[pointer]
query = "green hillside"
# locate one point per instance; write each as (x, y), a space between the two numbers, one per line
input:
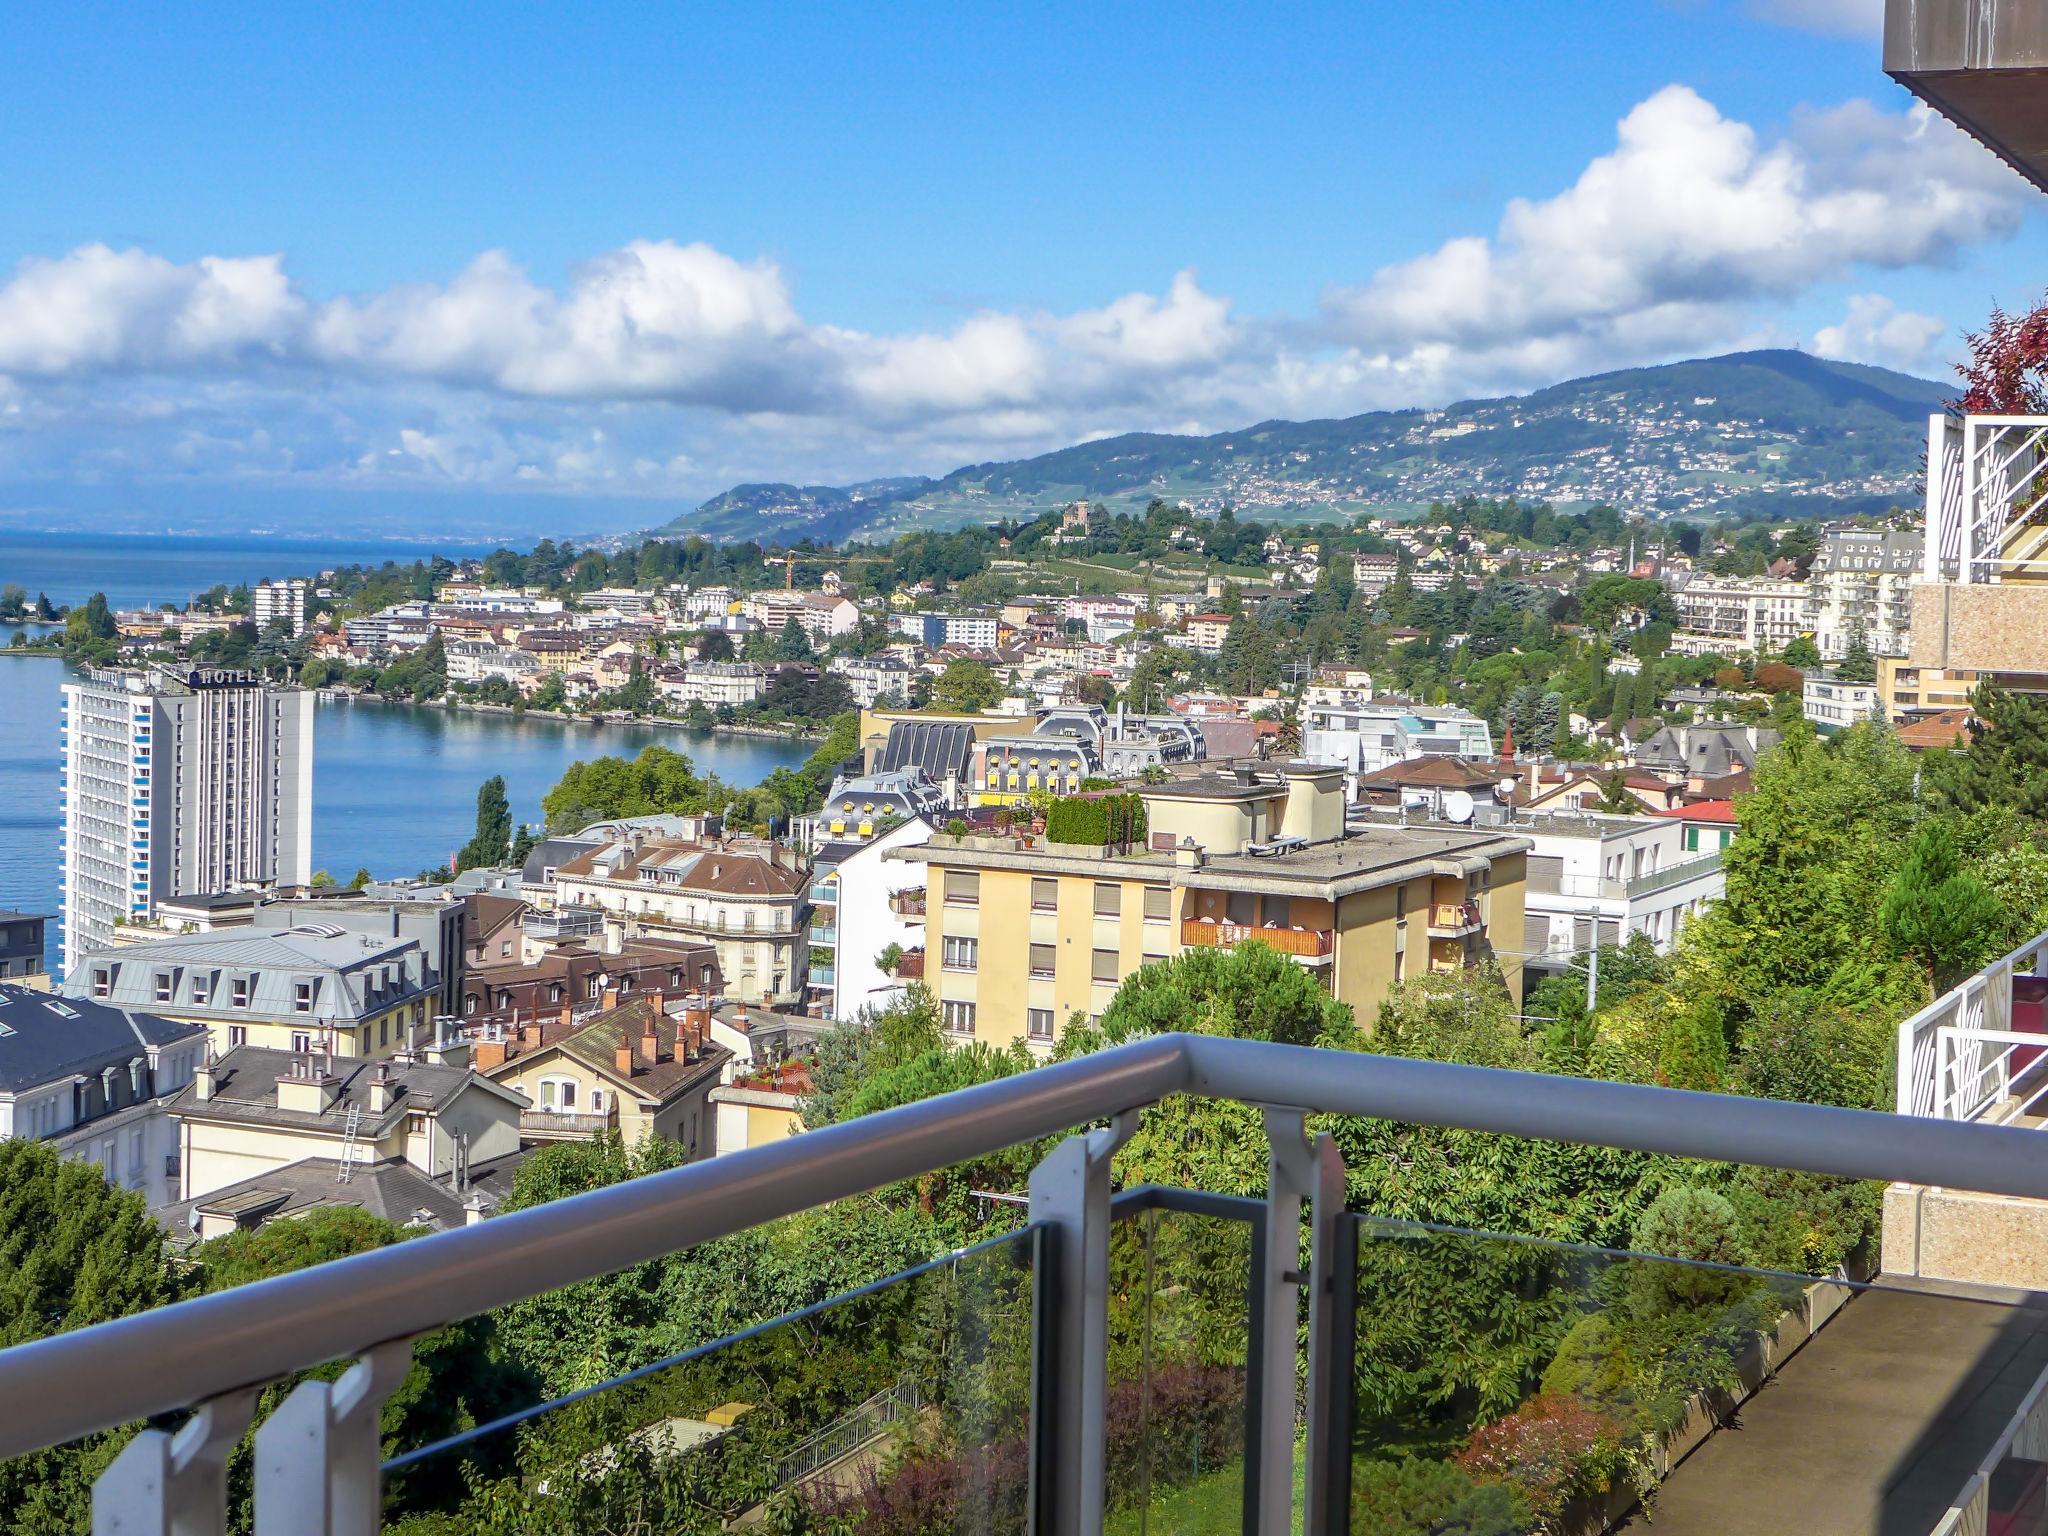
(1775, 432)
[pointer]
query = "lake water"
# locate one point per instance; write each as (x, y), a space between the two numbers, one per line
(394, 787)
(141, 571)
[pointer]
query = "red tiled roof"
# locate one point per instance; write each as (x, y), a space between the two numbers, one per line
(1719, 812)
(1937, 732)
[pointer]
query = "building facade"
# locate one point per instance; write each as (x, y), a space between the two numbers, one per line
(283, 599)
(177, 782)
(1744, 614)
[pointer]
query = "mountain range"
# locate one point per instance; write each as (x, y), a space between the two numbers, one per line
(1769, 433)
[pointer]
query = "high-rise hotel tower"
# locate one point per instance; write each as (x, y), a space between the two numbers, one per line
(177, 783)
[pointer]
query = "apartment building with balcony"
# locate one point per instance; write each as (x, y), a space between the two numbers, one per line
(1861, 584)
(314, 987)
(1020, 934)
(1350, 729)
(577, 974)
(748, 899)
(1743, 613)
(1602, 879)
(199, 780)
(870, 901)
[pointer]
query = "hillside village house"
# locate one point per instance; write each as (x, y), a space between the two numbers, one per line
(262, 1131)
(633, 1067)
(309, 988)
(744, 898)
(95, 1082)
(1255, 853)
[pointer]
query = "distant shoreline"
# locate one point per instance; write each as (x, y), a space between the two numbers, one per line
(469, 706)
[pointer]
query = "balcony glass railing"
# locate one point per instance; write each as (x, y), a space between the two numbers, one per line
(1127, 1362)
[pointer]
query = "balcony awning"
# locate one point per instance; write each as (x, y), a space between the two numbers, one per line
(1982, 64)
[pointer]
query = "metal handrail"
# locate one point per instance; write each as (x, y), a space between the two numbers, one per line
(57, 1389)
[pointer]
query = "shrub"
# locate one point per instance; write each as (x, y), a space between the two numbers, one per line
(1550, 1450)
(956, 828)
(1097, 822)
(1423, 1498)
(1686, 1222)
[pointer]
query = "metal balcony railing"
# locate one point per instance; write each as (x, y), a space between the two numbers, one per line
(1673, 874)
(1043, 1329)
(1980, 1050)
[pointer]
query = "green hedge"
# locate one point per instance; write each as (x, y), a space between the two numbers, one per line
(1097, 822)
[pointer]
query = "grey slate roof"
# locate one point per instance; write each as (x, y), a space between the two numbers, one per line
(245, 1089)
(44, 1037)
(392, 1189)
(347, 970)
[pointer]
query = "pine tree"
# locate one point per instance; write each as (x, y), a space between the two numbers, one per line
(1858, 665)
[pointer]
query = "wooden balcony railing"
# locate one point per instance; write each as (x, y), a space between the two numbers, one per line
(1309, 943)
(1454, 917)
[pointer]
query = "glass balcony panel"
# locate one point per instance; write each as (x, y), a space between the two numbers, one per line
(905, 1396)
(1518, 1387)
(1180, 1328)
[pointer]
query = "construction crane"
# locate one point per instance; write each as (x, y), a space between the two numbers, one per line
(789, 560)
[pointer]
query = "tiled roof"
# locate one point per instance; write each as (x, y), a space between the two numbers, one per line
(1720, 812)
(1937, 732)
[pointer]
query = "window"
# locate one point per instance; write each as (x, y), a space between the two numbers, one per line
(302, 1041)
(1043, 959)
(959, 1017)
(1400, 902)
(1158, 903)
(597, 1101)
(200, 990)
(238, 991)
(238, 1034)
(302, 997)
(102, 981)
(595, 988)
(1038, 1023)
(1104, 967)
(1109, 900)
(963, 888)
(960, 954)
(163, 986)
(383, 1030)
(1045, 895)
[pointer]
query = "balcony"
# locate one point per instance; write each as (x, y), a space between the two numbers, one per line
(908, 903)
(554, 1125)
(1137, 1353)
(1674, 874)
(1307, 944)
(1454, 919)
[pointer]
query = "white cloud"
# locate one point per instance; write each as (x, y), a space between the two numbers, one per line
(1831, 18)
(1875, 330)
(672, 367)
(1667, 241)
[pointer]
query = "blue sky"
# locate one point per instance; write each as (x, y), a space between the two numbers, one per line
(611, 254)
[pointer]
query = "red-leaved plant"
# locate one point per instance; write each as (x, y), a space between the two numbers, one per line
(1553, 1448)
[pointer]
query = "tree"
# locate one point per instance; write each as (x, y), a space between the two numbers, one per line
(2007, 374)
(1938, 913)
(656, 782)
(793, 644)
(1857, 664)
(966, 687)
(493, 835)
(73, 1251)
(322, 880)
(13, 601)
(1802, 652)
(2005, 761)
(714, 645)
(359, 879)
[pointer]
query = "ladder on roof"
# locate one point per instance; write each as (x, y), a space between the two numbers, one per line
(349, 1128)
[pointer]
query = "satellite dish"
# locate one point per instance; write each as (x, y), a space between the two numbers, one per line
(1457, 806)
(1508, 788)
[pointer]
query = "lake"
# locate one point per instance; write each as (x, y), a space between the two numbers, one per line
(143, 571)
(394, 786)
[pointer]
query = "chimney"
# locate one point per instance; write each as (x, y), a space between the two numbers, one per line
(473, 1210)
(623, 1060)
(656, 1000)
(568, 1018)
(492, 1053)
(203, 1080)
(382, 1089)
(650, 1043)
(611, 998)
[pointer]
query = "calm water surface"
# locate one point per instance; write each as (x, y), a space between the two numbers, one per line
(394, 787)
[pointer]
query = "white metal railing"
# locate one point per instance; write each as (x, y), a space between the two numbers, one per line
(1987, 478)
(2025, 1439)
(1957, 1055)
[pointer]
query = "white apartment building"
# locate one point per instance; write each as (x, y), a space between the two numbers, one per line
(703, 603)
(503, 600)
(1862, 580)
(774, 608)
(1833, 705)
(179, 782)
(715, 683)
(477, 661)
(1373, 574)
(1347, 728)
(284, 599)
(1610, 876)
(1744, 614)
(880, 902)
(826, 615)
(873, 678)
(626, 602)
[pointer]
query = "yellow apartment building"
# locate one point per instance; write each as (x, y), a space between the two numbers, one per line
(1019, 936)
